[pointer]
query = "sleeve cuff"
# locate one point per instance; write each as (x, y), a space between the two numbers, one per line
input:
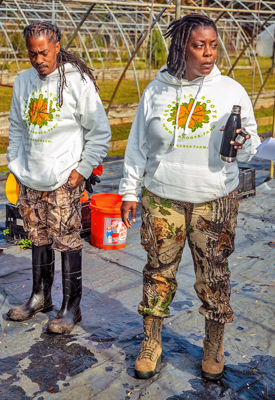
(84, 170)
(130, 197)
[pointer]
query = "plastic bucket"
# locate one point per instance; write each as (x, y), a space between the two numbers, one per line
(12, 189)
(107, 229)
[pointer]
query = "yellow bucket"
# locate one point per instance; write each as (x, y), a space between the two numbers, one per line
(12, 189)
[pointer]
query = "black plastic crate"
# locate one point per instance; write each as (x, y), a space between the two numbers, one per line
(247, 184)
(14, 222)
(85, 218)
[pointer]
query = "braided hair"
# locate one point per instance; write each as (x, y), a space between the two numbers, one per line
(53, 33)
(180, 31)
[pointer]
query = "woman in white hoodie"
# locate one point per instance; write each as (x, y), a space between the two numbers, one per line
(173, 152)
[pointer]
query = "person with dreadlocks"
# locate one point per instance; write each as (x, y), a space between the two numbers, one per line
(173, 152)
(59, 133)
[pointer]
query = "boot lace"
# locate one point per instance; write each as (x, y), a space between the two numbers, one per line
(152, 337)
(148, 350)
(213, 340)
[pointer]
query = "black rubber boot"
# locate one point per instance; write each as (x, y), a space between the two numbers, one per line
(70, 312)
(43, 274)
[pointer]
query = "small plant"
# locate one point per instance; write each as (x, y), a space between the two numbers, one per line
(6, 231)
(6, 66)
(25, 243)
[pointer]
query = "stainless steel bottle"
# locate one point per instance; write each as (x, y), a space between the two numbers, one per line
(227, 151)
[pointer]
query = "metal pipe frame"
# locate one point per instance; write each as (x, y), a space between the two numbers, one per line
(123, 22)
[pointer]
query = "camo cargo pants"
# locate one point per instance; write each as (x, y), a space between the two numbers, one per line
(210, 231)
(52, 217)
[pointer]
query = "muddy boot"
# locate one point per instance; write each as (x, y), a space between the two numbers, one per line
(150, 354)
(213, 355)
(70, 312)
(43, 273)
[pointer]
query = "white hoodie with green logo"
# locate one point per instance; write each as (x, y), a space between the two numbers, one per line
(179, 162)
(47, 142)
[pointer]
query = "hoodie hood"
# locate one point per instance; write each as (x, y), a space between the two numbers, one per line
(68, 68)
(169, 79)
(53, 76)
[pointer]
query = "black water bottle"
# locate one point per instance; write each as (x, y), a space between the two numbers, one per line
(227, 152)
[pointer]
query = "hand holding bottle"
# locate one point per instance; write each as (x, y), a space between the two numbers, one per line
(234, 136)
(235, 143)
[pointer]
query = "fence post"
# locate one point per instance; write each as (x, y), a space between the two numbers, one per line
(271, 173)
(178, 5)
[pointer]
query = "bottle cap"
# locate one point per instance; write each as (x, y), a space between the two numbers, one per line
(236, 109)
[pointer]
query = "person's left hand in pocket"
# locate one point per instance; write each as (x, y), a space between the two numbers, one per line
(75, 179)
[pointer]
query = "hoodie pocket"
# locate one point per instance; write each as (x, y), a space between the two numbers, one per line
(35, 171)
(187, 182)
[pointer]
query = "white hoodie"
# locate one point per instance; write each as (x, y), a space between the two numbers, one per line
(47, 142)
(181, 163)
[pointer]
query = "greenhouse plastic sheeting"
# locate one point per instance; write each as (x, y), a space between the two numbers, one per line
(265, 42)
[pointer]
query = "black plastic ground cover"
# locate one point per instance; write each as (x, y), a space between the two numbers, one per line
(96, 361)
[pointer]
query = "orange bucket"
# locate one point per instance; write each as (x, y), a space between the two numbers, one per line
(107, 229)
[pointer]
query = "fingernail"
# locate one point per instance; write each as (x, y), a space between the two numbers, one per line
(133, 219)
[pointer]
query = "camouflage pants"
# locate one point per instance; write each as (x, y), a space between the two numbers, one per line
(210, 231)
(52, 217)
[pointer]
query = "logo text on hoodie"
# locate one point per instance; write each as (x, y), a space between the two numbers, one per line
(201, 116)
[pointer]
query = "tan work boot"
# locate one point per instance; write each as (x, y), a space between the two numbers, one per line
(150, 354)
(213, 355)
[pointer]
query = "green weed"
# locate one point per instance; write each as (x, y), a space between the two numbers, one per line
(25, 244)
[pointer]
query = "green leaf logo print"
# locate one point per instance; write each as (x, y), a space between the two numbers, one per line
(37, 112)
(199, 115)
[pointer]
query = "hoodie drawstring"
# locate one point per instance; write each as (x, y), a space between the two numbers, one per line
(29, 98)
(48, 93)
(193, 106)
(190, 114)
(177, 119)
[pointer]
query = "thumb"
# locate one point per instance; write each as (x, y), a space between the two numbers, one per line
(133, 214)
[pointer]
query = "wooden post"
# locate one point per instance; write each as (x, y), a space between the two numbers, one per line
(271, 173)
(53, 12)
(178, 5)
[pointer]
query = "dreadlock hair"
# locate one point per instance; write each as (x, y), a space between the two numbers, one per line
(179, 31)
(53, 33)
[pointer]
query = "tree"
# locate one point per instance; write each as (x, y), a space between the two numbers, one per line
(158, 50)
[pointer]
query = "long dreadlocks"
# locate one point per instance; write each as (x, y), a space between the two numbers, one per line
(179, 31)
(52, 32)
